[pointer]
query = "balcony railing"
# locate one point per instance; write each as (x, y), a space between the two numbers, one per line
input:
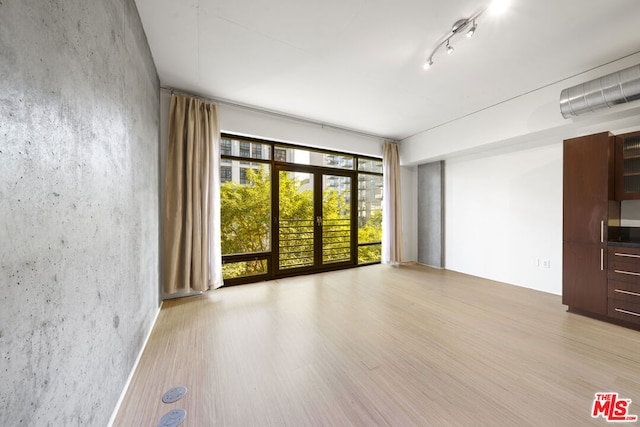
(297, 242)
(336, 240)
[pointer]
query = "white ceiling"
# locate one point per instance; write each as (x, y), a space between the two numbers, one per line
(359, 63)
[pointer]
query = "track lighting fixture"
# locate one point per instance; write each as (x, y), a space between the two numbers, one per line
(465, 25)
(472, 30)
(428, 64)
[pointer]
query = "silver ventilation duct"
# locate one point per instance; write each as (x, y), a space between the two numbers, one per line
(605, 92)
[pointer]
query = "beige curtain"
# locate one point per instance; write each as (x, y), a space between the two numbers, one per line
(192, 255)
(391, 206)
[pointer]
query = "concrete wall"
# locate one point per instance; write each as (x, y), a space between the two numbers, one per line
(431, 214)
(79, 112)
(409, 200)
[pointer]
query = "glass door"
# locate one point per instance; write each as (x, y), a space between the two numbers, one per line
(295, 221)
(336, 219)
(313, 220)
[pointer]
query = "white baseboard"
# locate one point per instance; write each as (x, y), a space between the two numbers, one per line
(432, 266)
(181, 294)
(133, 369)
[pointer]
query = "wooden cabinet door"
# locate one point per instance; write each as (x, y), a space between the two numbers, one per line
(584, 277)
(588, 185)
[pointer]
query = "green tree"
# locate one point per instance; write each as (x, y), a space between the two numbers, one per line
(246, 213)
(246, 223)
(370, 232)
(296, 222)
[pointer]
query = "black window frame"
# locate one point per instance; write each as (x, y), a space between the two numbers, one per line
(274, 146)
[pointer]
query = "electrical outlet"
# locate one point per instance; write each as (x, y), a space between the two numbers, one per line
(546, 263)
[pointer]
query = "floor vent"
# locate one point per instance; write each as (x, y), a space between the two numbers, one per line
(173, 418)
(174, 394)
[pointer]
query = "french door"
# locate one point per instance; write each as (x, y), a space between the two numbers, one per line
(315, 227)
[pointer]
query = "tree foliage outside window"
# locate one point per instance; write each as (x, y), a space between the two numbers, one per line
(246, 221)
(371, 231)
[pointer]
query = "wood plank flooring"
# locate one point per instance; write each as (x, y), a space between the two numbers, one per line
(381, 346)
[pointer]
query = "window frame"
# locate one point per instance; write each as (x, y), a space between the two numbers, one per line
(273, 163)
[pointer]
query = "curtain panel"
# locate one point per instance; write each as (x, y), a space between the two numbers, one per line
(391, 206)
(192, 253)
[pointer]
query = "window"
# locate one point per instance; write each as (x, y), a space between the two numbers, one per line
(225, 174)
(248, 179)
(245, 210)
(303, 156)
(234, 270)
(245, 149)
(370, 165)
(256, 151)
(369, 218)
(225, 147)
(280, 155)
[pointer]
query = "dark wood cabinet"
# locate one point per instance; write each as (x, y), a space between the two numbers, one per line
(588, 196)
(624, 284)
(584, 279)
(627, 178)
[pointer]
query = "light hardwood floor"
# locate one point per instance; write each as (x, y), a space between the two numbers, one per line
(378, 345)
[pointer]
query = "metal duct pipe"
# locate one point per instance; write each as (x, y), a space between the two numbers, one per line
(617, 88)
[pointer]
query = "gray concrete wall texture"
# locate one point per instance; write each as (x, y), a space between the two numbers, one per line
(431, 214)
(79, 214)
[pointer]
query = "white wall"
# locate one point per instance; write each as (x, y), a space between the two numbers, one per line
(249, 122)
(503, 181)
(269, 126)
(503, 213)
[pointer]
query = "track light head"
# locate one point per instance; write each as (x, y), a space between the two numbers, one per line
(472, 30)
(449, 48)
(428, 64)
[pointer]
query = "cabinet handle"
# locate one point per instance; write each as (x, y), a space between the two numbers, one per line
(620, 291)
(630, 273)
(627, 255)
(601, 259)
(601, 231)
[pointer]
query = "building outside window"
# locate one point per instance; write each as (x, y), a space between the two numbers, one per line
(225, 147)
(245, 149)
(225, 174)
